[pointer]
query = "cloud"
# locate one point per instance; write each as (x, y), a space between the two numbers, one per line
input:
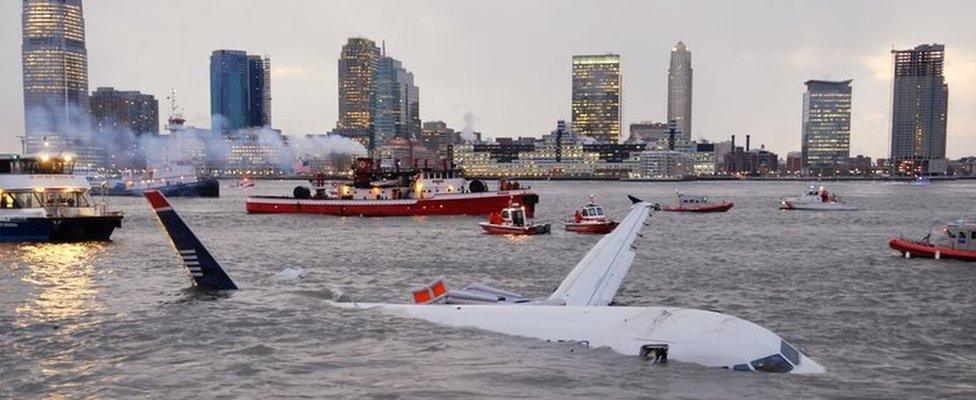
(279, 72)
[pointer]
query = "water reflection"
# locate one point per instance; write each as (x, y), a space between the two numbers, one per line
(61, 276)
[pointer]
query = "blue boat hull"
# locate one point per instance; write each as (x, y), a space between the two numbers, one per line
(59, 230)
(205, 187)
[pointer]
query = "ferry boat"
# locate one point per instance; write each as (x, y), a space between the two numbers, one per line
(513, 220)
(815, 199)
(956, 241)
(590, 219)
(171, 179)
(698, 204)
(375, 192)
(42, 200)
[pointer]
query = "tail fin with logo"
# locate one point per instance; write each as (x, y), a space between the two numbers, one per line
(203, 268)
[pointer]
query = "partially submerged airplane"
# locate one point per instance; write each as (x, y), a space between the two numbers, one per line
(579, 310)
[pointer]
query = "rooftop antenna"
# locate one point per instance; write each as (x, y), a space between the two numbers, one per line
(384, 47)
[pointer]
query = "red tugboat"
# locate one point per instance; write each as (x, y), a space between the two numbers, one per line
(375, 192)
(957, 241)
(590, 219)
(513, 220)
(698, 204)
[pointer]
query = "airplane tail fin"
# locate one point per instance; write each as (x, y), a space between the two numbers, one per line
(595, 279)
(203, 268)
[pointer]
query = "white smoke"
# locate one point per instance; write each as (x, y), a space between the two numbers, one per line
(467, 134)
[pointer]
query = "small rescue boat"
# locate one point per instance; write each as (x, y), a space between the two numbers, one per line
(956, 241)
(244, 183)
(590, 219)
(512, 220)
(698, 204)
(815, 199)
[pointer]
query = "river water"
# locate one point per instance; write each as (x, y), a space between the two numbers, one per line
(118, 320)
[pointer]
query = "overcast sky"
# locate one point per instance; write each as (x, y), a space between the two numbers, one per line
(508, 62)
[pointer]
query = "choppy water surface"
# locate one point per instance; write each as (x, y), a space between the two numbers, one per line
(116, 320)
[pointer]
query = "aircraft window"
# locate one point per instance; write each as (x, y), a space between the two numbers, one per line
(742, 367)
(789, 352)
(773, 363)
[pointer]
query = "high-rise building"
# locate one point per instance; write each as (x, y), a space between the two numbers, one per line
(396, 109)
(240, 90)
(920, 99)
(115, 110)
(596, 97)
(679, 89)
(259, 91)
(55, 65)
(358, 63)
(648, 132)
(437, 136)
(826, 130)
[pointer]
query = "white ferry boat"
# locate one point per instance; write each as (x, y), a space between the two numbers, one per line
(42, 200)
(817, 200)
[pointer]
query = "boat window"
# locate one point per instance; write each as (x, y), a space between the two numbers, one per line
(789, 352)
(952, 235)
(586, 212)
(517, 218)
(773, 363)
(962, 235)
(6, 201)
(505, 214)
(599, 211)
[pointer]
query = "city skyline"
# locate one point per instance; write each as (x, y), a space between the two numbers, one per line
(524, 98)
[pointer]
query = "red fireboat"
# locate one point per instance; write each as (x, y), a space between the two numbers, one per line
(698, 204)
(377, 192)
(513, 220)
(590, 219)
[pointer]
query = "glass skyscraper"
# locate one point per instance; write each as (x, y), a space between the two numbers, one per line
(596, 97)
(826, 131)
(114, 110)
(55, 65)
(358, 63)
(396, 111)
(679, 89)
(920, 99)
(240, 90)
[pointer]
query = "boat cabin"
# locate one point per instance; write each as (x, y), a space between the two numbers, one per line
(32, 184)
(692, 200)
(960, 236)
(513, 215)
(42, 164)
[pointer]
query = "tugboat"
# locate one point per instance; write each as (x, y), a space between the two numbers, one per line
(378, 192)
(956, 241)
(590, 219)
(172, 179)
(513, 220)
(42, 200)
(815, 199)
(698, 204)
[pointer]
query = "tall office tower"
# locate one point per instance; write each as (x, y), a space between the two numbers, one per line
(55, 65)
(826, 131)
(115, 110)
(259, 90)
(920, 100)
(358, 64)
(596, 97)
(397, 103)
(679, 89)
(240, 90)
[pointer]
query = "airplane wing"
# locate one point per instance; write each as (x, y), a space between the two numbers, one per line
(595, 279)
(203, 268)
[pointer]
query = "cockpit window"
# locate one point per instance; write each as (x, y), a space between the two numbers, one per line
(789, 352)
(773, 363)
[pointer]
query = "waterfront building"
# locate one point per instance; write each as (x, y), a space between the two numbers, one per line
(665, 164)
(919, 106)
(358, 63)
(122, 110)
(648, 132)
(703, 156)
(437, 137)
(396, 109)
(860, 165)
(826, 127)
(256, 152)
(679, 89)
(404, 152)
(240, 90)
(794, 162)
(753, 162)
(596, 101)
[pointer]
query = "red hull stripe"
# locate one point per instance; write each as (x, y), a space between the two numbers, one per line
(156, 200)
(926, 251)
(716, 208)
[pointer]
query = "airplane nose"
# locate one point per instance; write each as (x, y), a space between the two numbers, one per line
(808, 366)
